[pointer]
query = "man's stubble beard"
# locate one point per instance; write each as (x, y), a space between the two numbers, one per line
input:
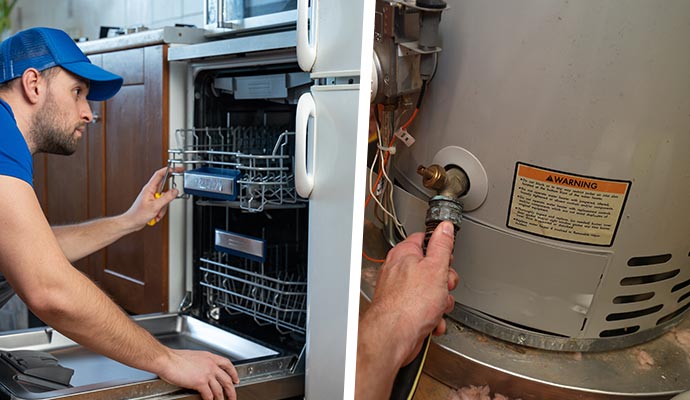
(49, 133)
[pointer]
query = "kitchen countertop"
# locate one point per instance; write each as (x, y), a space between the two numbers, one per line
(464, 357)
(168, 34)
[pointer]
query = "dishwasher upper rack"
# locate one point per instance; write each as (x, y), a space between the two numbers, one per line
(271, 294)
(263, 154)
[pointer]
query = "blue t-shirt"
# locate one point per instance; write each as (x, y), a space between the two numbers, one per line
(15, 161)
(15, 157)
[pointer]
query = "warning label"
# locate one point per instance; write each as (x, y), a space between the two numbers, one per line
(565, 206)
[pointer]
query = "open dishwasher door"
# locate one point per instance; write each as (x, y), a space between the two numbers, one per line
(265, 372)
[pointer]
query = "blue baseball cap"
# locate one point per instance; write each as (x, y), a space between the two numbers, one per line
(44, 48)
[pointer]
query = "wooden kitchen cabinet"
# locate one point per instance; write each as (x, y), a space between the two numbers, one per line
(126, 143)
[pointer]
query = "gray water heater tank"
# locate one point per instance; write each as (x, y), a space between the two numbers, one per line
(572, 120)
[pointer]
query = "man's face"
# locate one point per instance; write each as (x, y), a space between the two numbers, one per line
(61, 121)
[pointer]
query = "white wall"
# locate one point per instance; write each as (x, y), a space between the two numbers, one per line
(83, 18)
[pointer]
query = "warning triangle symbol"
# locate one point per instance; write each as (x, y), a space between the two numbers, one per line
(549, 179)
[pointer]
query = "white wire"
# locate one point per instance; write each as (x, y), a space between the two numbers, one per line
(387, 185)
(390, 185)
(398, 225)
(392, 210)
(377, 157)
(371, 176)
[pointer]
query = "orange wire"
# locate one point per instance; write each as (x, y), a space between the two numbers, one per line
(409, 121)
(371, 259)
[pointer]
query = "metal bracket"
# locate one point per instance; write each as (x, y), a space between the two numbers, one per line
(186, 302)
(339, 80)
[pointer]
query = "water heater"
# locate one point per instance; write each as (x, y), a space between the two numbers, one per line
(572, 121)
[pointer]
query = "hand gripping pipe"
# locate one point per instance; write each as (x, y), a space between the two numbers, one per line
(450, 184)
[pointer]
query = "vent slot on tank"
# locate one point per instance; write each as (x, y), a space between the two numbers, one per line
(634, 314)
(673, 314)
(620, 331)
(648, 260)
(683, 297)
(645, 279)
(681, 285)
(633, 298)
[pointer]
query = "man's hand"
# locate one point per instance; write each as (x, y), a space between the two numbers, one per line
(414, 287)
(409, 302)
(214, 377)
(147, 207)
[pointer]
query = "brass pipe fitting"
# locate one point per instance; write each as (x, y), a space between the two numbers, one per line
(433, 177)
(451, 183)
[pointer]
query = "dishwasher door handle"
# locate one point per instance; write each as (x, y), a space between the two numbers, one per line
(304, 179)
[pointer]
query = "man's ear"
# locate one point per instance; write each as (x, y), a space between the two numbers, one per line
(32, 85)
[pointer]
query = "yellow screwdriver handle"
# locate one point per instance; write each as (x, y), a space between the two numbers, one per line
(153, 220)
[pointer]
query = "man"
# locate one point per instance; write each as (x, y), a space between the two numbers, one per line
(412, 294)
(44, 86)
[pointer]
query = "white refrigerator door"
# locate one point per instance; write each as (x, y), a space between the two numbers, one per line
(335, 243)
(329, 36)
(331, 155)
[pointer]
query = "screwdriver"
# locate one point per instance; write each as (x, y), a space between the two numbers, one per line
(158, 194)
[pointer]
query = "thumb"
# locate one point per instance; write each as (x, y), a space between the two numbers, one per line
(440, 246)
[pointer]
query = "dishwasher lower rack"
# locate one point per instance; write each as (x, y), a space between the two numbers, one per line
(264, 372)
(250, 165)
(271, 293)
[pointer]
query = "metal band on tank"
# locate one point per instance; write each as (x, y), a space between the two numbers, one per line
(501, 330)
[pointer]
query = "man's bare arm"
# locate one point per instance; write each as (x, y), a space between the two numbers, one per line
(36, 267)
